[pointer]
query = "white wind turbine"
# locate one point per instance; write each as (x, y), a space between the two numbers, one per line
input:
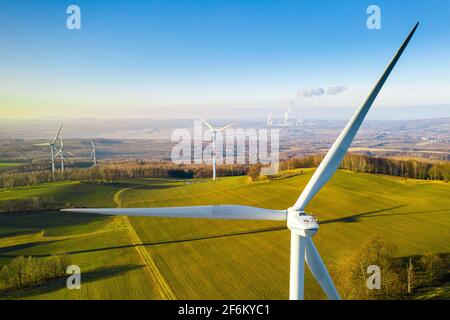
(214, 138)
(52, 146)
(93, 153)
(301, 225)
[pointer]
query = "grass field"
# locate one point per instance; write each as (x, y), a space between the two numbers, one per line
(9, 164)
(218, 259)
(111, 267)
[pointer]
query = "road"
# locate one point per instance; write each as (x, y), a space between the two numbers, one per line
(143, 253)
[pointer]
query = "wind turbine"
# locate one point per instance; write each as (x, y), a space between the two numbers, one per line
(214, 137)
(52, 146)
(93, 154)
(302, 225)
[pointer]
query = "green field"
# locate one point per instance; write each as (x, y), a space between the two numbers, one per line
(9, 164)
(218, 259)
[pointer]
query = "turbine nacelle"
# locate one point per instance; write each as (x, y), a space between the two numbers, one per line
(303, 224)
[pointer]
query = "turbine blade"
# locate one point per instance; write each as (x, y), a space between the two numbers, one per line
(207, 124)
(233, 212)
(227, 126)
(71, 153)
(319, 270)
(93, 145)
(333, 158)
(43, 144)
(57, 135)
(92, 154)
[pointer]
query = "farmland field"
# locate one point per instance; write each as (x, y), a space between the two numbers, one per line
(198, 259)
(9, 164)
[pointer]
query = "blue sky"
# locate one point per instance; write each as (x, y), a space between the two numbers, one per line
(164, 59)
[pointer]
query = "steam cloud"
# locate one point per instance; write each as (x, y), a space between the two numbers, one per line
(309, 93)
(332, 91)
(269, 120)
(317, 92)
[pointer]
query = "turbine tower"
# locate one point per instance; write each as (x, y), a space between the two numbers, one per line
(93, 154)
(302, 225)
(53, 150)
(214, 137)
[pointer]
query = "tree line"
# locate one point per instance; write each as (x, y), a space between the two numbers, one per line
(159, 169)
(362, 163)
(32, 204)
(119, 170)
(23, 272)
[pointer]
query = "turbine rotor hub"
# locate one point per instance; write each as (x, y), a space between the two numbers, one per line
(304, 224)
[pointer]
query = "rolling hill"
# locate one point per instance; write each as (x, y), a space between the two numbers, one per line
(153, 258)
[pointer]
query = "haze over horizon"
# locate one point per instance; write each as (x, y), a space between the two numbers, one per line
(298, 112)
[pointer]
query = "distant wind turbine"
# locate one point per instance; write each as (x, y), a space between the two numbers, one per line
(302, 225)
(214, 137)
(93, 153)
(52, 146)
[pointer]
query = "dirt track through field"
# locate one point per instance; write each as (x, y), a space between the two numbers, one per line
(143, 253)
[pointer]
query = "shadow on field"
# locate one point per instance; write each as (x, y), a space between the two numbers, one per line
(144, 184)
(375, 213)
(153, 187)
(58, 284)
(50, 221)
(22, 246)
(215, 236)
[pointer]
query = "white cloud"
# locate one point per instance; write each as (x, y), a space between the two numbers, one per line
(317, 92)
(332, 91)
(309, 93)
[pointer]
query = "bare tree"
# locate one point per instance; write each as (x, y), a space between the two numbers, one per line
(410, 277)
(433, 267)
